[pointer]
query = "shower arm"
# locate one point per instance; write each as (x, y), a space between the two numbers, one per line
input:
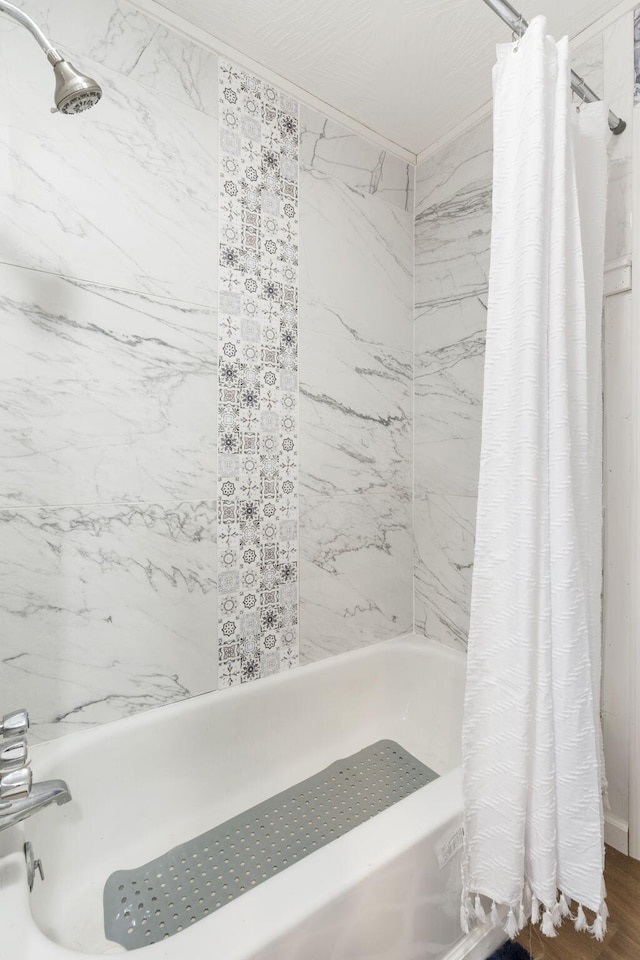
(12, 11)
(518, 24)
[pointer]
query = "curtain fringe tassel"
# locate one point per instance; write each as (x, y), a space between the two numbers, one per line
(511, 926)
(549, 917)
(479, 910)
(580, 921)
(548, 926)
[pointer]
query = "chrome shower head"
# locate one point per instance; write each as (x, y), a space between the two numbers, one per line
(74, 92)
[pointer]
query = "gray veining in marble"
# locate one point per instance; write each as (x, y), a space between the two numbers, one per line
(179, 69)
(453, 237)
(636, 55)
(587, 61)
(453, 217)
(356, 572)
(106, 610)
(355, 414)
(449, 371)
(108, 290)
(356, 367)
(619, 237)
(80, 194)
(444, 542)
(105, 395)
(327, 149)
(356, 265)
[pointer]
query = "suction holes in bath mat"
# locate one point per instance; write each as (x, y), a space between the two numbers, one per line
(197, 878)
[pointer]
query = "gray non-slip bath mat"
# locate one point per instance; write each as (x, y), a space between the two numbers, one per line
(196, 878)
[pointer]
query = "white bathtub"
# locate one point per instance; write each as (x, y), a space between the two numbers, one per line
(142, 785)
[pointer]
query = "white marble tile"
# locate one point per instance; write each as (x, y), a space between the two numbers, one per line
(449, 374)
(355, 572)
(618, 81)
(356, 264)
(106, 611)
(453, 217)
(636, 55)
(444, 534)
(120, 195)
(105, 395)
(619, 238)
(355, 415)
(619, 494)
(328, 149)
(173, 66)
(588, 62)
(120, 36)
(107, 31)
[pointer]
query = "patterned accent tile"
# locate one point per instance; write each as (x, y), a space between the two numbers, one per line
(258, 378)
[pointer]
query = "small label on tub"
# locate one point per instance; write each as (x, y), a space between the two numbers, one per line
(449, 846)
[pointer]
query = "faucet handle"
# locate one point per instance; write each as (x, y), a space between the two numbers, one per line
(13, 754)
(16, 784)
(15, 723)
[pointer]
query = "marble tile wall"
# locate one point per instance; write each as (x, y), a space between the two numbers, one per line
(453, 227)
(108, 386)
(108, 297)
(356, 367)
(636, 55)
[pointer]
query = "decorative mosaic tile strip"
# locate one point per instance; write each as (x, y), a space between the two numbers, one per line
(258, 379)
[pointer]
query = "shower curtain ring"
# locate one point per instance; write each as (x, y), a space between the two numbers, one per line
(516, 34)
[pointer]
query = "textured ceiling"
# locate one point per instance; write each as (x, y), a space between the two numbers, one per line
(408, 69)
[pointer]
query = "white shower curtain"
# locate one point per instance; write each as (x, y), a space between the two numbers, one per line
(532, 749)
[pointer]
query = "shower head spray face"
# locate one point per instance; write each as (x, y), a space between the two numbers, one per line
(74, 92)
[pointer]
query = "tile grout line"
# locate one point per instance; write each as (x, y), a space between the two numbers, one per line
(108, 286)
(413, 410)
(103, 503)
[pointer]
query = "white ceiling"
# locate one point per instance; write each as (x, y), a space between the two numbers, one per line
(410, 70)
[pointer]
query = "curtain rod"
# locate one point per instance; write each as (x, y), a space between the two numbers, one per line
(518, 24)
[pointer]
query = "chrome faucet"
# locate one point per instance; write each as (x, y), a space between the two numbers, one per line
(20, 797)
(39, 796)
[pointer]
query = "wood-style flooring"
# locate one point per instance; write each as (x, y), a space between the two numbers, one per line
(622, 942)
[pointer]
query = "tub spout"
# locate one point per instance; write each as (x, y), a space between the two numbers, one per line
(37, 796)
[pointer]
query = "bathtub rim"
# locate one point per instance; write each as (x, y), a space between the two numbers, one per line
(412, 642)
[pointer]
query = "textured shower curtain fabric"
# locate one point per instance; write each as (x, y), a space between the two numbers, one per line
(532, 745)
